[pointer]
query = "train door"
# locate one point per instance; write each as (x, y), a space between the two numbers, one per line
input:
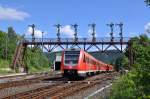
(57, 65)
(57, 62)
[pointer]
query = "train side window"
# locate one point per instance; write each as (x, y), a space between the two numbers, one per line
(84, 59)
(92, 62)
(88, 60)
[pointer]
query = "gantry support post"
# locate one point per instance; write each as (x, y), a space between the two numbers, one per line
(130, 54)
(19, 57)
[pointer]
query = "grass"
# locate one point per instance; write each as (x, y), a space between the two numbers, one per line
(5, 69)
(34, 69)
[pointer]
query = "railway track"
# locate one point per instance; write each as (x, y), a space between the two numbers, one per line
(60, 89)
(79, 86)
(28, 81)
(26, 75)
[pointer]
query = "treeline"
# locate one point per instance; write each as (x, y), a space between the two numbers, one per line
(8, 42)
(135, 84)
(36, 60)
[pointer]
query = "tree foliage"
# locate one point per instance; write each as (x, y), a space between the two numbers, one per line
(36, 60)
(136, 84)
(121, 62)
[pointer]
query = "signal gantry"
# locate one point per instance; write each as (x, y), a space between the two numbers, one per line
(49, 44)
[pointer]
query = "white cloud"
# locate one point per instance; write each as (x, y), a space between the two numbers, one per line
(7, 13)
(147, 28)
(67, 30)
(38, 33)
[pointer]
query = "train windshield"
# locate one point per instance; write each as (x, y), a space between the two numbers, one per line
(71, 57)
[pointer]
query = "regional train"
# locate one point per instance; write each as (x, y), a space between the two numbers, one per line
(78, 63)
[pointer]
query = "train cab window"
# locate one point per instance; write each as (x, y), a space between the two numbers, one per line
(71, 61)
(71, 57)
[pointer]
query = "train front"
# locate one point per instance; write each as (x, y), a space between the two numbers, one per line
(69, 65)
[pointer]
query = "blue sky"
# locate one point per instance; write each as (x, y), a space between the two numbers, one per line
(45, 13)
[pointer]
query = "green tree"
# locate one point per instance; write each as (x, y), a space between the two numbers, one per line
(11, 42)
(36, 59)
(2, 44)
(121, 62)
(136, 84)
(12, 36)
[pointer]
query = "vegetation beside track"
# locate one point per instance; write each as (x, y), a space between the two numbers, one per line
(36, 60)
(4, 67)
(136, 84)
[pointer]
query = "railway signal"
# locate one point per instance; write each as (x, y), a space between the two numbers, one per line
(75, 26)
(58, 26)
(111, 25)
(121, 30)
(33, 32)
(42, 41)
(147, 2)
(93, 25)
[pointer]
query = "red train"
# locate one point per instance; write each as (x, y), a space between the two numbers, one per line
(78, 63)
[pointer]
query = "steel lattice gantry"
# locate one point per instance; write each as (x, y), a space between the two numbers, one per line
(50, 44)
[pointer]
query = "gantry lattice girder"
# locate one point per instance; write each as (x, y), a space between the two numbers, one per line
(83, 43)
